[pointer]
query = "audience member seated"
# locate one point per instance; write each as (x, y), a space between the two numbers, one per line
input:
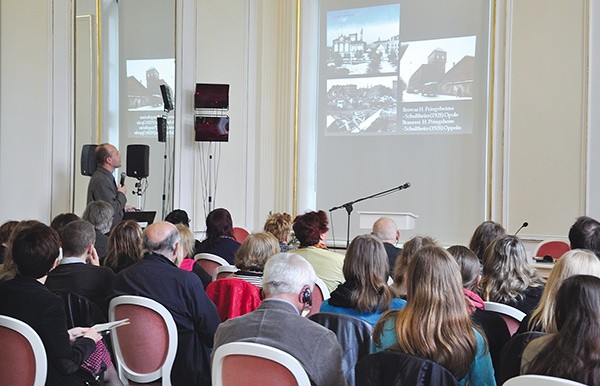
(60, 220)
(180, 216)
(470, 272)
(435, 323)
(585, 234)
(365, 294)
(124, 246)
(574, 262)
(483, 236)
(9, 270)
(493, 325)
(386, 229)
(280, 226)
(507, 276)
(254, 252)
(158, 277)
(411, 247)
(100, 214)
(78, 270)
(5, 232)
(186, 254)
(219, 236)
(573, 351)
(34, 251)
(311, 230)
(287, 285)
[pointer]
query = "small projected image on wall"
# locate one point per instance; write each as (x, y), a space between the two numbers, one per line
(363, 41)
(362, 105)
(144, 78)
(438, 70)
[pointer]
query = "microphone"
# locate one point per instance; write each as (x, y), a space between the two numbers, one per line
(405, 186)
(122, 182)
(525, 225)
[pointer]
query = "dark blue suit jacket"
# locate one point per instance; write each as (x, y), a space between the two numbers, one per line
(195, 315)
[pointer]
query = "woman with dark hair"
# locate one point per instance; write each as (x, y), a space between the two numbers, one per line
(34, 251)
(470, 272)
(507, 276)
(574, 351)
(219, 236)
(435, 323)
(365, 294)
(483, 236)
(311, 230)
(124, 246)
(6, 230)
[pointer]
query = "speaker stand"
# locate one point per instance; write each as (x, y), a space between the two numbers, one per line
(164, 192)
(138, 192)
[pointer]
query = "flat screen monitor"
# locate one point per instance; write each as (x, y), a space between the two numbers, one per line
(211, 96)
(211, 129)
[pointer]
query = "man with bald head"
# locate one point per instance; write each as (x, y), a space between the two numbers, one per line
(102, 186)
(158, 277)
(386, 230)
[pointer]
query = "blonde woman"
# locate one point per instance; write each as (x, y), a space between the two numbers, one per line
(435, 323)
(252, 256)
(280, 226)
(574, 262)
(507, 276)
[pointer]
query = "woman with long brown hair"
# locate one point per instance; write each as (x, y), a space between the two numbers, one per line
(365, 294)
(507, 276)
(124, 246)
(574, 351)
(435, 322)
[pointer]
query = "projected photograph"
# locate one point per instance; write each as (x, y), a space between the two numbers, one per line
(438, 70)
(363, 41)
(362, 105)
(144, 78)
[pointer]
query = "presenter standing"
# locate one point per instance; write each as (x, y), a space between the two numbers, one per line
(102, 185)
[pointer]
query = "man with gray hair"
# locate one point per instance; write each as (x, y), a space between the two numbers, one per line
(288, 281)
(158, 277)
(385, 229)
(100, 215)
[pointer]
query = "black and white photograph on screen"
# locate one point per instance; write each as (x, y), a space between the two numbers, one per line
(438, 69)
(144, 78)
(144, 99)
(361, 105)
(363, 41)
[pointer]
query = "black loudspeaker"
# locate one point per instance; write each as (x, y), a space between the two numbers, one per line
(167, 98)
(88, 160)
(138, 161)
(161, 126)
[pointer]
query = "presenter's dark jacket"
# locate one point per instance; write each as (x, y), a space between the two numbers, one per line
(392, 252)
(103, 187)
(195, 315)
(28, 300)
(278, 324)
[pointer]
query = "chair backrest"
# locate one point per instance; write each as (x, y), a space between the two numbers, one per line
(512, 316)
(22, 354)
(233, 297)
(392, 367)
(224, 271)
(540, 380)
(353, 335)
(80, 311)
(145, 348)
(245, 363)
(320, 293)
(210, 262)
(553, 248)
(240, 234)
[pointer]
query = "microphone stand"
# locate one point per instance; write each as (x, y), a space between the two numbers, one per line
(349, 205)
